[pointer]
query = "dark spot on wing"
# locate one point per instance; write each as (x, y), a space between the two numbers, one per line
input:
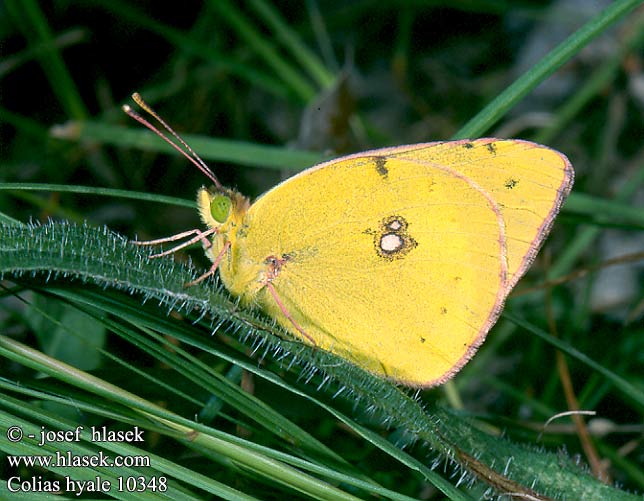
(511, 183)
(381, 166)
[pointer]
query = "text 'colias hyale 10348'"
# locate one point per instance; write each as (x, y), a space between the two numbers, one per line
(398, 259)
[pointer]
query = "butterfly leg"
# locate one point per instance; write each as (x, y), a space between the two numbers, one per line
(198, 235)
(273, 292)
(213, 268)
(275, 265)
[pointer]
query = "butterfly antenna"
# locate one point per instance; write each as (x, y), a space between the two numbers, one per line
(186, 151)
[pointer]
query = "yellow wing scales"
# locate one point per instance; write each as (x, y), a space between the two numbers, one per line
(528, 181)
(400, 259)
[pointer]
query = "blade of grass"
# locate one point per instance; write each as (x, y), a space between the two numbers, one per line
(208, 53)
(595, 84)
(505, 101)
(264, 48)
(98, 191)
(586, 236)
(223, 150)
(621, 384)
(293, 43)
(33, 24)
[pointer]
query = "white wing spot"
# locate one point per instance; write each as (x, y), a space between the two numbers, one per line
(391, 242)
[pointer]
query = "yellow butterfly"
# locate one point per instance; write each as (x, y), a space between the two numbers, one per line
(397, 259)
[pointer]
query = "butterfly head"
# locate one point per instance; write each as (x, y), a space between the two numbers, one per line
(221, 207)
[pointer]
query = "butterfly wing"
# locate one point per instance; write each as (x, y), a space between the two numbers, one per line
(400, 259)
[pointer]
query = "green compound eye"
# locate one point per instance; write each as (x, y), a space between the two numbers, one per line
(220, 207)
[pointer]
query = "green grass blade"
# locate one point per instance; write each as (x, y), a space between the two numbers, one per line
(505, 101)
